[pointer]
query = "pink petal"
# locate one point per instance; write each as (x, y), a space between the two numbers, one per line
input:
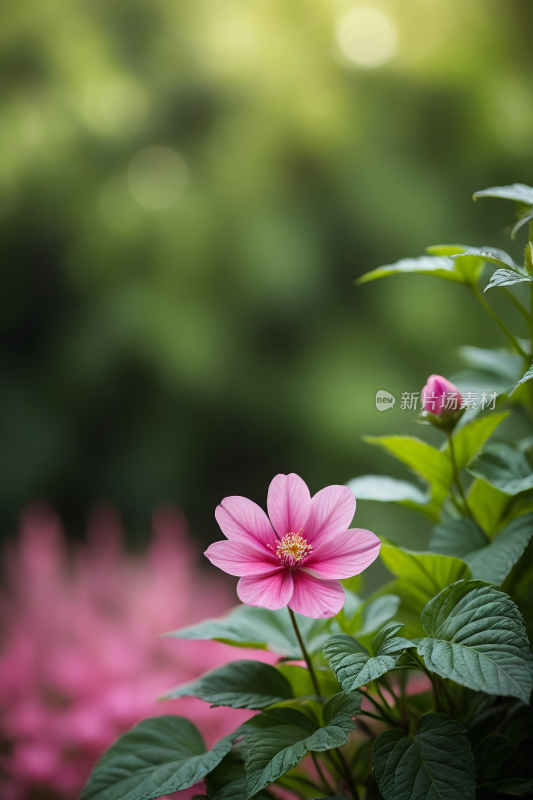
(314, 597)
(269, 591)
(343, 554)
(239, 558)
(288, 503)
(241, 520)
(332, 511)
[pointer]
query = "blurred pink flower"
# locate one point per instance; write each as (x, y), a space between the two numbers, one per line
(440, 397)
(296, 559)
(81, 656)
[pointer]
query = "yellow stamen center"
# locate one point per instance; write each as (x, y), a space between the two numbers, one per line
(292, 549)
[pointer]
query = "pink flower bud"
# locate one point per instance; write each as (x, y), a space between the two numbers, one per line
(440, 397)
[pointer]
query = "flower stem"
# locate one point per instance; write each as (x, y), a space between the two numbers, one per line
(384, 714)
(374, 716)
(456, 477)
(345, 771)
(403, 699)
(325, 784)
(343, 768)
(449, 700)
(383, 698)
(518, 305)
(431, 676)
(419, 663)
(390, 689)
(364, 727)
(456, 503)
(501, 324)
(305, 654)
(300, 779)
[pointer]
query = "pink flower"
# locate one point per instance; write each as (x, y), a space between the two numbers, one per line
(298, 557)
(440, 397)
(81, 657)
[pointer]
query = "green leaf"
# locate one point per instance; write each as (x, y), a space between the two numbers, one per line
(352, 664)
(516, 787)
(490, 371)
(518, 192)
(475, 380)
(388, 490)
(342, 704)
(159, 756)
(447, 249)
(282, 737)
(355, 583)
(302, 685)
(490, 756)
(491, 254)
(440, 267)
(422, 575)
(260, 628)
(523, 219)
(476, 637)
(457, 537)
(426, 461)
(528, 250)
(228, 780)
(343, 648)
(506, 277)
(468, 260)
(519, 585)
(500, 362)
(519, 764)
(346, 617)
(240, 684)
(525, 377)
(471, 437)
(361, 764)
(487, 504)
(495, 560)
(299, 679)
(435, 764)
(373, 614)
(503, 466)
(388, 631)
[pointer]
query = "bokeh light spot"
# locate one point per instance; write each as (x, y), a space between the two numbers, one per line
(115, 107)
(230, 42)
(367, 37)
(157, 177)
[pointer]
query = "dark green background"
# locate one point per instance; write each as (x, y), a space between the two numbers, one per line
(186, 354)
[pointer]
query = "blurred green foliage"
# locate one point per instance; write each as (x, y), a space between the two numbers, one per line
(187, 191)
